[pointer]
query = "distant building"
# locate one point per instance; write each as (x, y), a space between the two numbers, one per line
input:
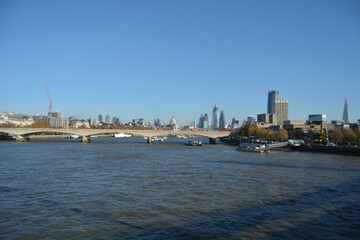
(215, 116)
(222, 123)
(141, 122)
(272, 97)
(305, 127)
(57, 120)
(116, 120)
(107, 119)
(201, 122)
(270, 118)
(157, 122)
(278, 107)
(346, 116)
(173, 125)
(250, 120)
(338, 123)
(281, 111)
(93, 122)
(17, 119)
(318, 119)
(101, 120)
(204, 122)
(76, 122)
(235, 123)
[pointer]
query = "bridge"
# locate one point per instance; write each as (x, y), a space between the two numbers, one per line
(22, 134)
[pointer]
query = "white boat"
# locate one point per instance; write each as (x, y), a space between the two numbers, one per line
(193, 143)
(159, 139)
(251, 147)
(181, 136)
(121, 135)
(74, 136)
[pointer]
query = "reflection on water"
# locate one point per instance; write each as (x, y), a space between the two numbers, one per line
(126, 189)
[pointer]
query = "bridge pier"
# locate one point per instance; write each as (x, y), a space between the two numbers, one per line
(149, 140)
(212, 140)
(85, 139)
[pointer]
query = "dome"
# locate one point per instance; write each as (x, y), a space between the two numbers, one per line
(172, 121)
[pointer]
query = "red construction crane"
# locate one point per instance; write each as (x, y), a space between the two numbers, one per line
(50, 102)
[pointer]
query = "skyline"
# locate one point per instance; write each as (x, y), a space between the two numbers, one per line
(161, 59)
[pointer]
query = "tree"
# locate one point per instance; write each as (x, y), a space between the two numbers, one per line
(39, 124)
(349, 135)
(282, 134)
(83, 126)
(252, 129)
(7, 125)
(271, 134)
(261, 133)
(336, 134)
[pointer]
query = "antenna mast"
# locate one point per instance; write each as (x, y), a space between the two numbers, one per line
(50, 102)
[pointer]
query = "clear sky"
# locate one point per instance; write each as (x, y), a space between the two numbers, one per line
(151, 59)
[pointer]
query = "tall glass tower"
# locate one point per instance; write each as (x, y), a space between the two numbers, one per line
(222, 123)
(215, 117)
(272, 97)
(346, 116)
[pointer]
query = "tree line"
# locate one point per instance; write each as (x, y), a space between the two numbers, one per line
(346, 135)
(262, 133)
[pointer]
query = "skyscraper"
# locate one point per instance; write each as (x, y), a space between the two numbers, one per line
(222, 123)
(215, 116)
(277, 106)
(206, 121)
(157, 122)
(116, 120)
(107, 119)
(272, 97)
(281, 110)
(346, 116)
(100, 118)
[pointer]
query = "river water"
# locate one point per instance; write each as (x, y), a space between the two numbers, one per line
(127, 189)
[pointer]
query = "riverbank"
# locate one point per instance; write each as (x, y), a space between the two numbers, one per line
(355, 151)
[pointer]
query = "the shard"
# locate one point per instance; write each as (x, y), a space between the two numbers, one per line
(346, 116)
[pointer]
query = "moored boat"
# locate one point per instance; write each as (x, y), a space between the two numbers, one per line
(121, 135)
(253, 147)
(193, 143)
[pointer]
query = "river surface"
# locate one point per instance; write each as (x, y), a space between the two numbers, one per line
(127, 189)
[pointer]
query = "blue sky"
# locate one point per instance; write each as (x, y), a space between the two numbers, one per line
(151, 59)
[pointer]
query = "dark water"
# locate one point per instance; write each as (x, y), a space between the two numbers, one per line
(126, 189)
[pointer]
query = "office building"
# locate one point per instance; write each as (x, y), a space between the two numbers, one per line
(56, 120)
(270, 118)
(272, 97)
(346, 116)
(281, 111)
(215, 116)
(278, 107)
(204, 121)
(157, 122)
(116, 120)
(107, 119)
(101, 118)
(222, 123)
(235, 123)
